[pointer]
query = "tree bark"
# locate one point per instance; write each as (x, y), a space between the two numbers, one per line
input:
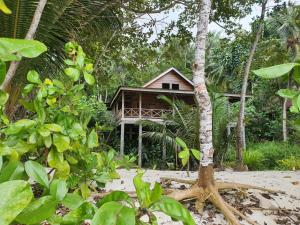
(284, 114)
(202, 96)
(30, 34)
(240, 124)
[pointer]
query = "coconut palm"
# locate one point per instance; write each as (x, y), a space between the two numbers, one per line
(286, 23)
(85, 21)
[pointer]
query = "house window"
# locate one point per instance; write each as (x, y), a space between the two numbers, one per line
(165, 86)
(175, 86)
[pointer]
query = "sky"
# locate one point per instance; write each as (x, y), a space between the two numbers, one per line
(165, 19)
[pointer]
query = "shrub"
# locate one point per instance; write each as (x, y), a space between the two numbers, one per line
(253, 159)
(273, 152)
(291, 163)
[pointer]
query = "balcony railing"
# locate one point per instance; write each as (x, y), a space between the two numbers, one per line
(145, 113)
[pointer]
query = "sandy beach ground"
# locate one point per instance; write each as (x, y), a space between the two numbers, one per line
(273, 208)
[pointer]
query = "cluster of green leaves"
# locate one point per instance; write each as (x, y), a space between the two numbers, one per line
(119, 208)
(186, 153)
(287, 69)
(56, 133)
(15, 49)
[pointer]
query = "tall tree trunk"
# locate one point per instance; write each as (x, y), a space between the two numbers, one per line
(202, 96)
(30, 34)
(241, 145)
(284, 114)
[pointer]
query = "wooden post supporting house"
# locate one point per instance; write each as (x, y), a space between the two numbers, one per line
(140, 146)
(140, 133)
(122, 126)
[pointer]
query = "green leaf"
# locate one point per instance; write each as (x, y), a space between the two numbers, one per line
(72, 201)
(184, 154)
(55, 159)
(142, 190)
(181, 143)
(40, 111)
(4, 8)
(73, 73)
(33, 77)
(15, 196)
(113, 213)
(25, 48)
(196, 153)
(38, 211)
(156, 193)
(287, 93)
(53, 127)
(2, 70)
(3, 97)
(48, 141)
(58, 189)
(1, 163)
(115, 196)
(44, 132)
(173, 209)
(89, 78)
(61, 142)
(28, 88)
(37, 172)
(85, 191)
(275, 71)
(12, 171)
(93, 139)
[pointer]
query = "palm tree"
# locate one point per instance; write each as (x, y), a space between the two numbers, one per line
(286, 23)
(180, 123)
(85, 21)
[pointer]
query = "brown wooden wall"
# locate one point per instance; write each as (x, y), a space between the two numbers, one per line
(171, 78)
(150, 101)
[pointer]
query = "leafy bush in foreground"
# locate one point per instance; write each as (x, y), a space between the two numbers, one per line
(56, 134)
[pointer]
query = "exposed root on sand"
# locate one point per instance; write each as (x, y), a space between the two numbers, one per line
(206, 189)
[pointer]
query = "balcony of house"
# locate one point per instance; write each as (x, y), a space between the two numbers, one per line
(134, 106)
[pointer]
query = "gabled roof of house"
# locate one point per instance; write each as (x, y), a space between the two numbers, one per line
(165, 73)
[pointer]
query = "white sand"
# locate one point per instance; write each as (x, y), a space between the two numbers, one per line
(274, 180)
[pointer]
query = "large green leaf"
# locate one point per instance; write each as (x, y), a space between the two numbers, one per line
(37, 172)
(287, 93)
(58, 189)
(89, 78)
(25, 48)
(53, 127)
(15, 196)
(180, 142)
(73, 73)
(93, 139)
(142, 190)
(113, 213)
(275, 71)
(115, 196)
(33, 77)
(55, 159)
(173, 209)
(196, 153)
(72, 201)
(12, 171)
(4, 8)
(3, 97)
(61, 142)
(38, 211)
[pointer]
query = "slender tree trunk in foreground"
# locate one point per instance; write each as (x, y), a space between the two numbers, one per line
(30, 34)
(241, 145)
(284, 113)
(206, 188)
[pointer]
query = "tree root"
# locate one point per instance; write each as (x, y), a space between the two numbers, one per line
(211, 193)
